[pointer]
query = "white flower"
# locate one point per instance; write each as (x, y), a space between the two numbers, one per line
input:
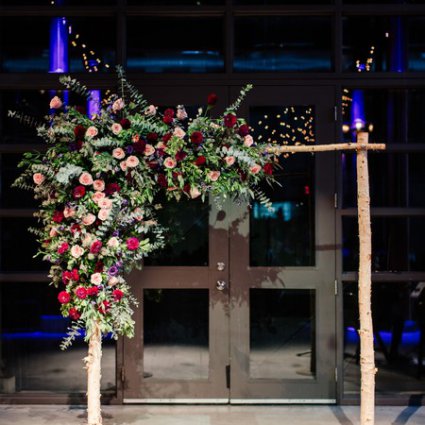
(248, 140)
(118, 105)
(105, 203)
(96, 278)
(89, 219)
(150, 110)
(113, 242)
(149, 150)
(103, 214)
(194, 192)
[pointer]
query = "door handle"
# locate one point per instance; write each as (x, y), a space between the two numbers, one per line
(221, 285)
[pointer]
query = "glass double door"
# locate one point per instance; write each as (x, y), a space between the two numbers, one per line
(240, 306)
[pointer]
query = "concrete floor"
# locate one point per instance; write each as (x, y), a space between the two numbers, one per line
(210, 415)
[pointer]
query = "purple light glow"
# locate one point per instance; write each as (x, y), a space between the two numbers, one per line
(93, 104)
(59, 46)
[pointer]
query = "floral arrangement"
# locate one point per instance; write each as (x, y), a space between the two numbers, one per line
(97, 182)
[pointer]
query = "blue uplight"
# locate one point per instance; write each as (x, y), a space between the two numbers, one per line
(58, 46)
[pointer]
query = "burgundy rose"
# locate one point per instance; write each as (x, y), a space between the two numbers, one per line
(186, 188)
(58, 216)
(160, 152)
(152, 137)
(200, 160)
(79, 132)
(81, 109)
(118, 294)
(152, 164)
(125, 123)
(63, 248)
(230, 120)
(75, 228)
(79, 192)
(81, 292)
(212, 99)
(169, 112)
(243, 175)
(268, 169)
(78, 145)
(166, 137)
(98, 267)
(96, 247)
(180, 155)
(104, 308)
(243, 130)
(111, 188)
(139, 146)
(74, 314)
(132, 243)
(64, 297)
(162, 180)
(92, 291)
(167, 119)
(196, 137)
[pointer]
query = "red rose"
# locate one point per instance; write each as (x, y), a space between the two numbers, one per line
(243, 175)
(95, 247)
(98, 268)
(186, 188)
(132, 243)
(196, 137)
(200, 160)
(66, 277)
(104, 307)
(125, 123)
(58, 216)
(139, 146)
(166, 137)
(118, 294)
(79, 132)
(243, 130)
(64, 297)
(152, 164)
(79, 145)
(63, 248)
(79, 192)
(169, 112)
(180, 155)
(152, 137)
(230, 120)
(168, 119)
(111, 188)
(92, 291)
(212, 99)
(75, 228)
(74, 314)
(74, 275)
(268, 169)
(81, 292)
(162, 180)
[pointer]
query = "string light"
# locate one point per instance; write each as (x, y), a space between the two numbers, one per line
(367, 65)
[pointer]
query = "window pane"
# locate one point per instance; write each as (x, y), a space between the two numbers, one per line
(281, 2)
(31, 332)
(88, 44)
(176, 335)
(285, 236)
(398, 311)
(186, 234)
(174, 2)
(283, 43)
(396, 244)
(175, 44)
(282, 333)
(15, 255)
(58, 2)
(396, 180)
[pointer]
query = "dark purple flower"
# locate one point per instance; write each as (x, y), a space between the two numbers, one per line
(113, 271)
(129, 150)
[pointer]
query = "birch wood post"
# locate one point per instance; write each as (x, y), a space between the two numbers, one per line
(93, 366)
(367, 356)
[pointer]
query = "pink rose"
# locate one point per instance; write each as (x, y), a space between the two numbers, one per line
(248, 140)
(181, 113)
(255, 169)
(89, 219)
(98, 196)
(118, 105)
(53, 232)
(139, 214)
(113, 242)
(99, 185)
(160, 145)
(92, 131)
(77, 251)
(105, 203)
(132, 161)
(123, 165)
(38, 178)
(55, 103)
(68, 212)
(112, 281)
(194, 192)
(96, 278)
(95, 247)
(169, 162)
(179, 132)
(87, 240)
(150, 110)
(230, 160)
(116, 128)
(132, 243)
(149, 150)
(103, 214)
(86, 179)
(81, 292)
(118, 153)
(214, 175)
